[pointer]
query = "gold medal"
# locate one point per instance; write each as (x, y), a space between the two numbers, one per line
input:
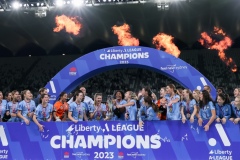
(143, 113)
(80, 117)
(170, 109)
(188, 115)
(98, 118)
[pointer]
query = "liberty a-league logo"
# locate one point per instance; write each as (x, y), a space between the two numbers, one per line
(223, 136)
(3, 137)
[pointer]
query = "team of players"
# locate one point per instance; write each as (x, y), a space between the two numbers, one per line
(189, 105)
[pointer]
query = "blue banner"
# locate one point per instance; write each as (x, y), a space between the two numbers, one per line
(119, 140)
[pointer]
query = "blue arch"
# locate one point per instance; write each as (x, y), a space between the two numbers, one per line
(111, 58)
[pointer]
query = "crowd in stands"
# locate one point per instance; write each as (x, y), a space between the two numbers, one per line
(30, 72)
(34, 72)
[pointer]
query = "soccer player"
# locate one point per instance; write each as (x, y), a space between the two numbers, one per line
(236, 93)
(43, 111)
(89, 101)
(12, 107)
(60, 110)
(98, 111)
(152, 110)
(188, 106)
(3, 104)
(207, 110)
(41, 91)
(131, 107)
(143, 109)
(223, 108)
(119, 100)
(236, 110)
(161, 103)
(76, 108)
(26, 107)
(173, 105)
(109, 108)
(8, 96)
(196, 96)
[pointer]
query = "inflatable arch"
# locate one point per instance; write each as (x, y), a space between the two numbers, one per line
(118, 57)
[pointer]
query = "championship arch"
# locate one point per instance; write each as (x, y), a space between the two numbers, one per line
(119, 57)
(113, 140)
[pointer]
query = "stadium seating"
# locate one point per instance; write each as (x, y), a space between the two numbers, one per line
(34, 72)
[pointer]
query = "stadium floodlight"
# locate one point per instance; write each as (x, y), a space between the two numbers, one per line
(77, 3)
(168, 1)
(89, 2)
(1, 8)
(163, 6)
(16, 5)
(60, 3)
(166, 6)
(142, 1)
(1, 5)
(40, 13)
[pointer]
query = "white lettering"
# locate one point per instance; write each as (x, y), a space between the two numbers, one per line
(113, 56)
(130, 139)
(109, 140)
(155, 139)
(119, 140)
(78, 128)
(69, 141)
(87, 128)
(126, 127)
(116, 56)
(126, 56)
(108, 56)
(3, 136)
(135, 56)
(141, 142)
(146, 55)
(220, 158)
(95, 141)
(222, 152)
(104, 141)
(3, 151)
(53, 143)
(102, 56)
(3, 156)
(120, 56)
(80, 141)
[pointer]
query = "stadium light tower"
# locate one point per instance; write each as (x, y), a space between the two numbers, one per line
(16, 5)
(1, 7)
(77, 3)
(60, 3)
(163, 6)
(41, 6)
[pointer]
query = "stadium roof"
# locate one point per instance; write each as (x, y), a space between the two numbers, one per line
(21, 33)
